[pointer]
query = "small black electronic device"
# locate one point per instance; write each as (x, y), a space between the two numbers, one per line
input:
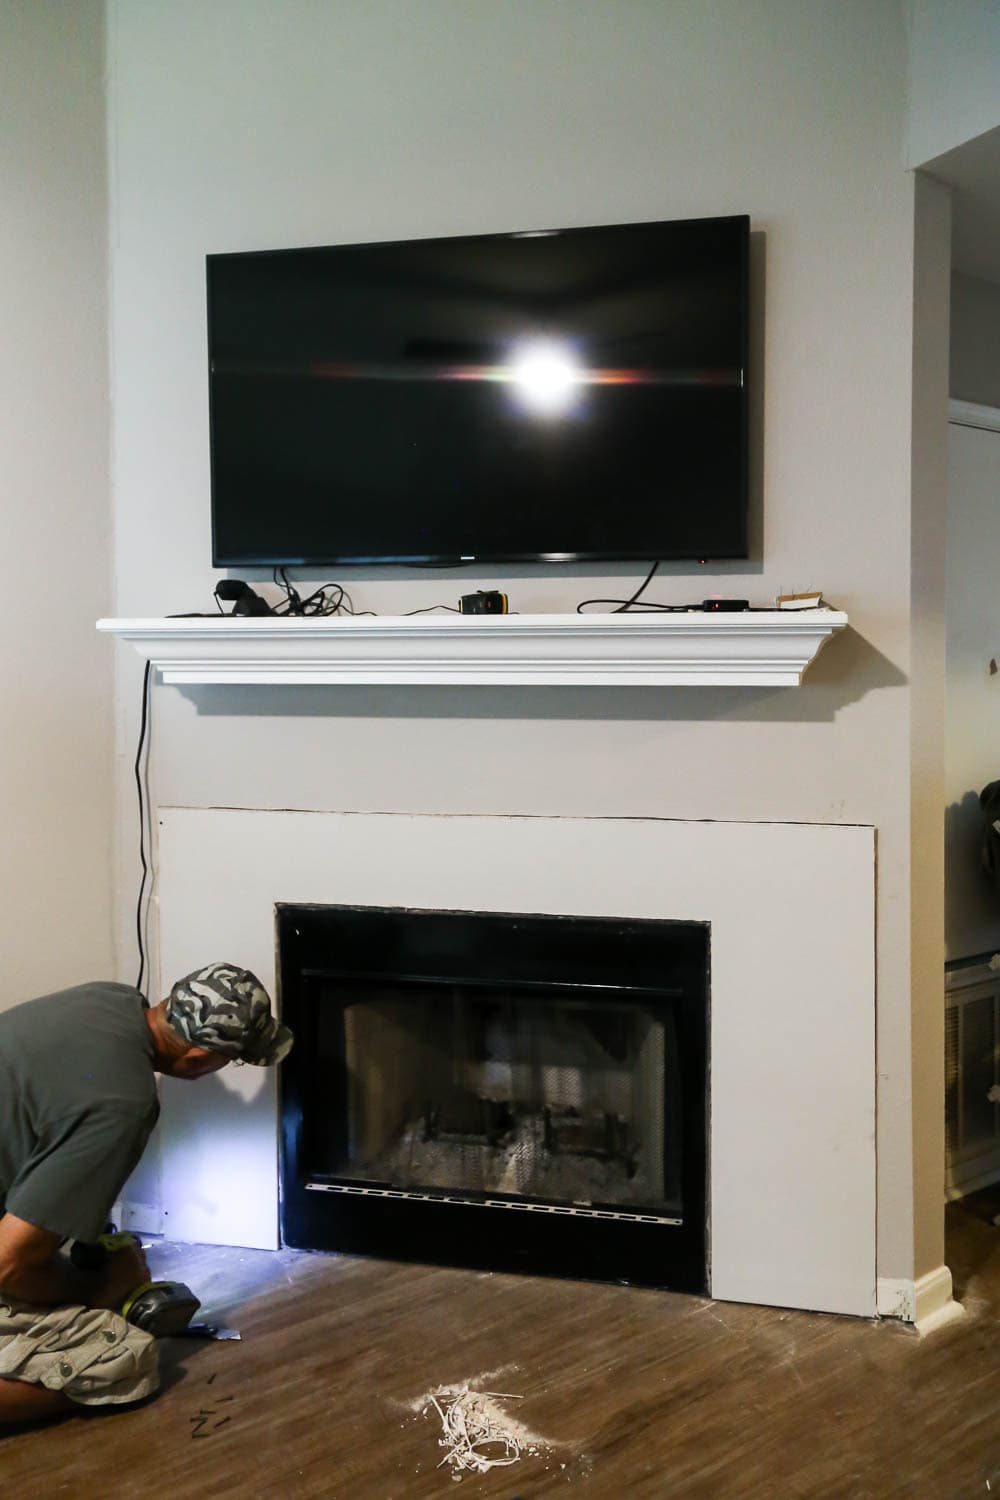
(724, 606)
(246, 601)
(484, 602)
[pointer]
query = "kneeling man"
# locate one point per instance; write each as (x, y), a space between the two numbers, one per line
(77, 1105)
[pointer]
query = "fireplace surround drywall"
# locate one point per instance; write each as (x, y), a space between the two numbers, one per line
(791, 1198)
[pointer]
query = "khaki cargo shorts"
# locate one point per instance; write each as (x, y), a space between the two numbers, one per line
(94, 1356)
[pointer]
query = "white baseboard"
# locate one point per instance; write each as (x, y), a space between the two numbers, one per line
(927, 1303)
(894, 1298)
(141, 1218)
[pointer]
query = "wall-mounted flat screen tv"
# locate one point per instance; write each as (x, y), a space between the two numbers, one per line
(557, 395)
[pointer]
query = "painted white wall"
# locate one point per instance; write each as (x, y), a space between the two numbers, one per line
(972, 911)
(56, 749)
(954, 74)
(244, 125)
(975, 340)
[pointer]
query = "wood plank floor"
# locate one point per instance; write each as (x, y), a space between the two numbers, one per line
(639, 1393)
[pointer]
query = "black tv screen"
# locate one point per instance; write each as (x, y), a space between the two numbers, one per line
(558, 395)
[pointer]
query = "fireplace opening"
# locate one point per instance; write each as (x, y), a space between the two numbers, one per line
(560, 1096)
(512, 1091)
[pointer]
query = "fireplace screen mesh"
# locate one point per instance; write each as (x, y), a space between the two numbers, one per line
(561, 1096)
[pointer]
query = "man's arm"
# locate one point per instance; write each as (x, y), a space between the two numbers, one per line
(32, 1270)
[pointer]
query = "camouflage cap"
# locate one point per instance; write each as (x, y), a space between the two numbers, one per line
(228, 1010)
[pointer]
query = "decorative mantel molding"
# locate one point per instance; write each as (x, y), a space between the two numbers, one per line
(755, 648)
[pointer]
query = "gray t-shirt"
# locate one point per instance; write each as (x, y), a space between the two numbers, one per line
(77, 1105)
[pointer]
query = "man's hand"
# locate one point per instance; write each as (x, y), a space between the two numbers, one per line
(124, 1270)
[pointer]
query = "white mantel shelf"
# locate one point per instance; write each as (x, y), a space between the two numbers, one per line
(757, 648)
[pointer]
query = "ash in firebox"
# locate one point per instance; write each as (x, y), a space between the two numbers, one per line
(531, 1160)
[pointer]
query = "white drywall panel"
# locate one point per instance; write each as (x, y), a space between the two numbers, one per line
(792, 1003)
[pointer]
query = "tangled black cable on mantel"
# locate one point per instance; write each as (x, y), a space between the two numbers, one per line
(622, 605)
(331, 599)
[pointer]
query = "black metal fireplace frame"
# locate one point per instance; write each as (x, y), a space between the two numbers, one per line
(320, 944)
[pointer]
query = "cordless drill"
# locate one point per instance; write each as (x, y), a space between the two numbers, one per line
(158, 1307)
